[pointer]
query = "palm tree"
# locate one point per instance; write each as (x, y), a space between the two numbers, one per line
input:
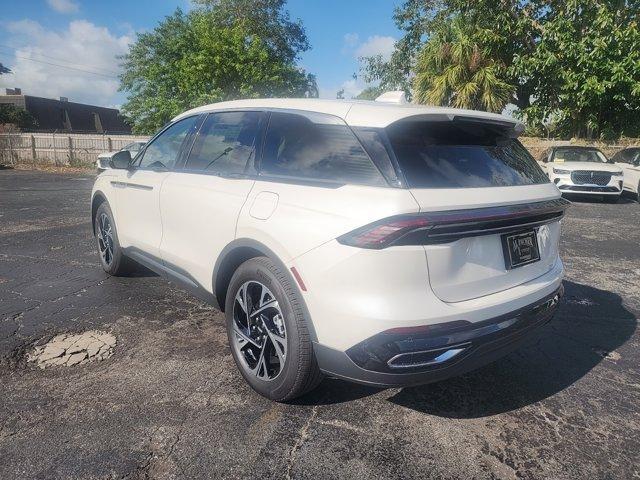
(453, 70)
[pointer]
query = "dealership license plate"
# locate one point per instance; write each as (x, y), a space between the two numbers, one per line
(520, 249)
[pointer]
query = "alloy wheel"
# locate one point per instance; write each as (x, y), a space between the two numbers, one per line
(105, 239)
(259, 333)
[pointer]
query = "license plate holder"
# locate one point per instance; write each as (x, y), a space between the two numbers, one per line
(520, 249)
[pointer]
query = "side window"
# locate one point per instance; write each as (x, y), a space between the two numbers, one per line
(163, 151)
(623, 156)
(631, 155)
(316, 147)
(225, 143)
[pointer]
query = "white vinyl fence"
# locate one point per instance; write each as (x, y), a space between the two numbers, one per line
(59, 148)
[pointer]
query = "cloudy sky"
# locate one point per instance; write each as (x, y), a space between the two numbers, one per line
(70, 47)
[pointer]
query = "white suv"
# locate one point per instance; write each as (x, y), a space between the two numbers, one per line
(385, 244)
(583, 171)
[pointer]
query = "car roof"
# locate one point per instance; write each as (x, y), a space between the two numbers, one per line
(360, 113)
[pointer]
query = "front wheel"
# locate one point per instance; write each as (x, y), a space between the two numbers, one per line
(112, 258)
(267, 332)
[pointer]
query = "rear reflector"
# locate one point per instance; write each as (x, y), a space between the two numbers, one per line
(298, 278)
(448, 226)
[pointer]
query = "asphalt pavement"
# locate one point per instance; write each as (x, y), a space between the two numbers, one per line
(169, 403)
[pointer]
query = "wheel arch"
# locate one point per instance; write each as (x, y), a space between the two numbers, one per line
(98, 199)
(235, 254)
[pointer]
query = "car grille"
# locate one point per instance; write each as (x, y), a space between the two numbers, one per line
(582, 177)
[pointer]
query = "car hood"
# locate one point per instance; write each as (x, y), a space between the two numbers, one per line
(107, 154)
(592, 166)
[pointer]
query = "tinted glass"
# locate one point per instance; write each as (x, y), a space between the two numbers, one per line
(569, 154)
(627, 155)
(316, 147)
(373, 141)
(163, 151)
(225, 143)
(461, 154)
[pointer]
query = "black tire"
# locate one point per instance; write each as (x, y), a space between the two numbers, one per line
(611, 198)
(300, 372)
(638, 193)
(118, 264)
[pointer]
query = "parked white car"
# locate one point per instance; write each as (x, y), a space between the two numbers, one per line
(102, 163)
(385, 244)
(583, 171)
(629, 160)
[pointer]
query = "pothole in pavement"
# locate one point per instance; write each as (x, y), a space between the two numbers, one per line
(73, 349)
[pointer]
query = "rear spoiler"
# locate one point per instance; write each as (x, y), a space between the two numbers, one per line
(512, 128)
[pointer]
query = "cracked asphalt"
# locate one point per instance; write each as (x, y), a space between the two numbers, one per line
(169, 403)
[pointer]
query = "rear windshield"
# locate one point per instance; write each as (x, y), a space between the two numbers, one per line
(461, 155)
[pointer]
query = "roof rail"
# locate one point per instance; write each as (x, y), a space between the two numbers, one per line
(396, 97)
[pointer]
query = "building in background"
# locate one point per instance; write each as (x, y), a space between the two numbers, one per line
(65, 116)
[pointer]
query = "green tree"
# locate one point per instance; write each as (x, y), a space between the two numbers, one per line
(209, 55)
(502, 30)
(586, 71)
(370, 93)
(453, 70)
(267, 19)
(572, 62)
(10, 114)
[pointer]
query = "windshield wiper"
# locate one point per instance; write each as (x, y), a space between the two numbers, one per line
(224, 152)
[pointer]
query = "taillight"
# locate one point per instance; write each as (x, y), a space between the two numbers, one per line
(385, 232)
(449, 226)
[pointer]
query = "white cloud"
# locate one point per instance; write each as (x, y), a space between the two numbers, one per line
(64, 6)
(351, 40)
(353, 46)
(83, 47)
(351, 87)
(376, 45)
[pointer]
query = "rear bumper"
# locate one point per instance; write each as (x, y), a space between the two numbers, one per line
(394, 359)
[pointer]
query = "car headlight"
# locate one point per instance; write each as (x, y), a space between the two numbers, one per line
(617, 174)
(560, 171)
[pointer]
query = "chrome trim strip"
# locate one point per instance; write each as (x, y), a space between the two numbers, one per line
(132, 185)
(446, 355)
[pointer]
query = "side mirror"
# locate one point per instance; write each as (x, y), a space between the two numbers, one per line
(120, 160)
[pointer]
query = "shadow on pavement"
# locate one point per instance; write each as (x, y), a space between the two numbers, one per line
(333, 391)
(140, 271)
(589, 324)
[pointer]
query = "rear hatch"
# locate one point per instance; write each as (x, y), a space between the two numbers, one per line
(487, 203)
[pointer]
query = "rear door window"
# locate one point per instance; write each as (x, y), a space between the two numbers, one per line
(225, 143)
(461, 155)
(318, 147)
